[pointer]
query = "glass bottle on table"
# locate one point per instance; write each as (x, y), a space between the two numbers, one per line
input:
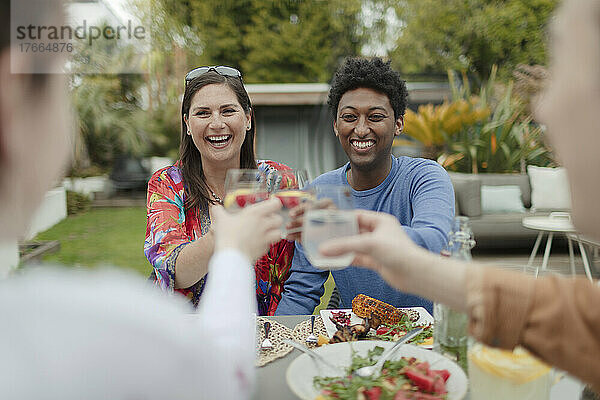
(450, 337)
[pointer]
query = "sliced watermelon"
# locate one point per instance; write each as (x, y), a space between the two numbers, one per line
(420, 380)
(373, 394)
(440, 372)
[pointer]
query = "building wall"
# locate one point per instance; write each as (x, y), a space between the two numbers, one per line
(51, 211)
(300, 136)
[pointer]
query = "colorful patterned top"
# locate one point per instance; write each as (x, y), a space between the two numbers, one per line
(170, 227)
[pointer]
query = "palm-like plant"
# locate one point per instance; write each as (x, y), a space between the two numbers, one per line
(506, 142)
(105, 103)
(491, 132)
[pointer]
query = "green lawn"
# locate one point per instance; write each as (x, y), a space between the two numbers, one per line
(111, 236)
(102, 236)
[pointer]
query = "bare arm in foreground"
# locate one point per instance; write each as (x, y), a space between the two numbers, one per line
(553, 317)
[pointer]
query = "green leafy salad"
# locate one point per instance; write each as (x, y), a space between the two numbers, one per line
(403, 379)
(395, 332)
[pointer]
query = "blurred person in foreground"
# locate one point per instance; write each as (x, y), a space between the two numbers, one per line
(217, 133)
(78, 334)
(555, 318)
(368, 100)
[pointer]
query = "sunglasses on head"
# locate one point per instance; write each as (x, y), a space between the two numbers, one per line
(221, 70)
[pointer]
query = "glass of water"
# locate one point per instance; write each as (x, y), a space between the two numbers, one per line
(331, 216)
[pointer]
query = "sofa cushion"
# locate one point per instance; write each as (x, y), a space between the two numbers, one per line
(522, 180)
(501, 199)
(549, 188)
(467, 192)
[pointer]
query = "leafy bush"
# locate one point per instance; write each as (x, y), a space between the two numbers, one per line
(77, 203)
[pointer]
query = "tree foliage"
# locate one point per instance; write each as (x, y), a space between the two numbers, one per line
(471, 35)
(274, 40)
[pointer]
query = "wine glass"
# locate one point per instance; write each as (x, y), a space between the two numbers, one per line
(244, 187)
(290, 187)
(331, 216)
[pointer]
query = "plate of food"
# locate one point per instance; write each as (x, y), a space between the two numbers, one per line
(410, 370)
(371, 319)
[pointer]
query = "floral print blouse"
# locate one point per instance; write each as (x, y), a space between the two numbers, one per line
(170, 227)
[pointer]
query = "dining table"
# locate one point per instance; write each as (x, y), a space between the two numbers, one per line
(271, 381)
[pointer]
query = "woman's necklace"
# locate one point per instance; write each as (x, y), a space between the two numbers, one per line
(217, 198)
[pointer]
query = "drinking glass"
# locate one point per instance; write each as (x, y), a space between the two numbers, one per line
(290, 187)
(502, 374)
(331, 216)
(244, 187)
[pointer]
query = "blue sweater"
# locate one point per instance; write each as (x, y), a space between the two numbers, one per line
(419, 193)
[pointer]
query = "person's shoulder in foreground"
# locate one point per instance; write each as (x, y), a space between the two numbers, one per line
(120, 333)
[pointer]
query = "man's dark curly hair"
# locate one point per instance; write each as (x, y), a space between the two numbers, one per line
(373, 73)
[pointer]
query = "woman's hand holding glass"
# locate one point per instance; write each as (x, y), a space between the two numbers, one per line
(250, 230)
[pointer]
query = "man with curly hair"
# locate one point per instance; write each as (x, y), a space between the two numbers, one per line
(367, 99)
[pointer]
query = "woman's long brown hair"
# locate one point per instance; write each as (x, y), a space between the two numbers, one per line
(197, 193)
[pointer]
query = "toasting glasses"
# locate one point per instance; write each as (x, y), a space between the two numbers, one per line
(289, 186)
(244, 187)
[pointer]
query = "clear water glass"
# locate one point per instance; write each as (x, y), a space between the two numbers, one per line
(330, 217)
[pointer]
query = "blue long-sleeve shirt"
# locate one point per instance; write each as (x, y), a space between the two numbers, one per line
(419, 193)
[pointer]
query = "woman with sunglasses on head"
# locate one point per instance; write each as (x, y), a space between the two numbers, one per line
(217, 134)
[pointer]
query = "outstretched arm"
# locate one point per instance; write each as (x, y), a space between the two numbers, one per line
(229, 299)
(505, 308)
(384, 246)
(178, 260)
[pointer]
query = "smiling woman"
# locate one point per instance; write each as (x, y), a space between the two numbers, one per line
(217, 134)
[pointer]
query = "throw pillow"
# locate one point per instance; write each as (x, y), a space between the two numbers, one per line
(501, 199)
(467, 191)
(504, 179)
(549, 188)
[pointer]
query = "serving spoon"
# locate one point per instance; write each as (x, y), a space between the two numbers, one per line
(316, 357)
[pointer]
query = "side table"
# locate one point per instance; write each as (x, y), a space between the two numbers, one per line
(556, 222)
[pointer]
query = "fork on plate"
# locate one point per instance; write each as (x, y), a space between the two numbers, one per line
(266, 343)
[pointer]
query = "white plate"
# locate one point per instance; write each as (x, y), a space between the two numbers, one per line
(302, 370)
(424, 319)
